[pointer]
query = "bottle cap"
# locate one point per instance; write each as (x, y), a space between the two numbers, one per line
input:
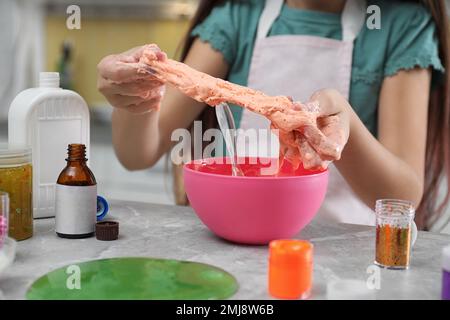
(446, 258)
(102, 208)
(14, 157)
(290, 268)
(107, 230)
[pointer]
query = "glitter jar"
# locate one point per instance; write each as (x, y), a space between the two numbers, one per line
(4, 215)
(16, 179)
(396, 233)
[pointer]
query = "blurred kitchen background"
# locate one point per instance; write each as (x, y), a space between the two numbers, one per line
(34, 38)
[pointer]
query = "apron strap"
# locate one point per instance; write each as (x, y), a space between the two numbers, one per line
(270, 13)
(352, 18)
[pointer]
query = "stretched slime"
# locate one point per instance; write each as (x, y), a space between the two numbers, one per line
(301, 139)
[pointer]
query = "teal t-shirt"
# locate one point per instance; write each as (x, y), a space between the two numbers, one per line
(407, 38)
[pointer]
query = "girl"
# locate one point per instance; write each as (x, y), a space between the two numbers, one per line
(388, 83)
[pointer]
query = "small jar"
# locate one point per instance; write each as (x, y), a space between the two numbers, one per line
(4, 216)
(395, 233)
(16, 179)
(290, 269)
(446, 273)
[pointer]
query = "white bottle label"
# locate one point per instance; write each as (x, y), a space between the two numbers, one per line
(76, 209)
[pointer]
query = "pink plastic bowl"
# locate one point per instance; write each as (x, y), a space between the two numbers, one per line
(253, 209)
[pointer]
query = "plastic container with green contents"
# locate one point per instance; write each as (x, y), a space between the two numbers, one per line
(16, 179)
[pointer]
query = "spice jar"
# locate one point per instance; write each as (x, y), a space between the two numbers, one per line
(16, 179)
(396, 233)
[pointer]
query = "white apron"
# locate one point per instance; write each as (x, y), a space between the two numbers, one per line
(297, 66)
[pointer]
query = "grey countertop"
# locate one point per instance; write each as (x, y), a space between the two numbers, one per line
(162, 231)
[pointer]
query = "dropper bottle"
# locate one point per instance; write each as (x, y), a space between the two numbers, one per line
(76, 196)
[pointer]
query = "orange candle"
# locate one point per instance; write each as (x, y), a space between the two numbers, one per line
(290, 269)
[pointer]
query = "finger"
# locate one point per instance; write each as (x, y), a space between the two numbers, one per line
(307, 153)
(310, 158)
(292, 119)
(135, 54)
(287, 137)
(295, 148)
(325, 147)
(144, 107)
(151, 53)
(315, 162)
(114, 69)
(139, 88)
(147, 57)
(292, 155)
(312, 106)
(120, 101)
(131, 55)
(127, 66)
(333, 128)
(330, 102)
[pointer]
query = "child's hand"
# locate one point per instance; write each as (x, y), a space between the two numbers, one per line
(334, 117)
(333, 120)
(120, 81)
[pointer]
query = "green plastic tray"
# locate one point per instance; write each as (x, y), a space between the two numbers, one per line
(134, 278)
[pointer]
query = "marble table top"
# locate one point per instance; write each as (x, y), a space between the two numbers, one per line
(342, 251)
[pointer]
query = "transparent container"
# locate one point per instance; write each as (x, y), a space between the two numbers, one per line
(16, 178)
(396, 233)
(4, 215)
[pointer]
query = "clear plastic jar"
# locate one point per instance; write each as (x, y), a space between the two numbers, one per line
(16, 179)
(4, 216)
(396, 233)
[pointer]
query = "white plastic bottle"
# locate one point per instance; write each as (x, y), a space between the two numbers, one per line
(47, 119)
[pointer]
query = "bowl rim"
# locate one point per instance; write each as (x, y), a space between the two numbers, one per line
(260, 178)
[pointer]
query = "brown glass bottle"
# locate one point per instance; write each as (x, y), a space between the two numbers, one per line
(76, 196)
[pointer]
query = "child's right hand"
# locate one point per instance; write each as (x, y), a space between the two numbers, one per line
(124, 87)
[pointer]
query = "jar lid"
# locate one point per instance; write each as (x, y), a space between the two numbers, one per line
(10, 157)
(107, 230)
(290, 252)
(394, 208)
(446, 258)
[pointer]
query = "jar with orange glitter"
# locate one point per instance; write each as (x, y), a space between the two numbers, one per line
(290, 269)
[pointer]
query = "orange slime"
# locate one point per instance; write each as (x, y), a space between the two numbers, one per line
(301, 140)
